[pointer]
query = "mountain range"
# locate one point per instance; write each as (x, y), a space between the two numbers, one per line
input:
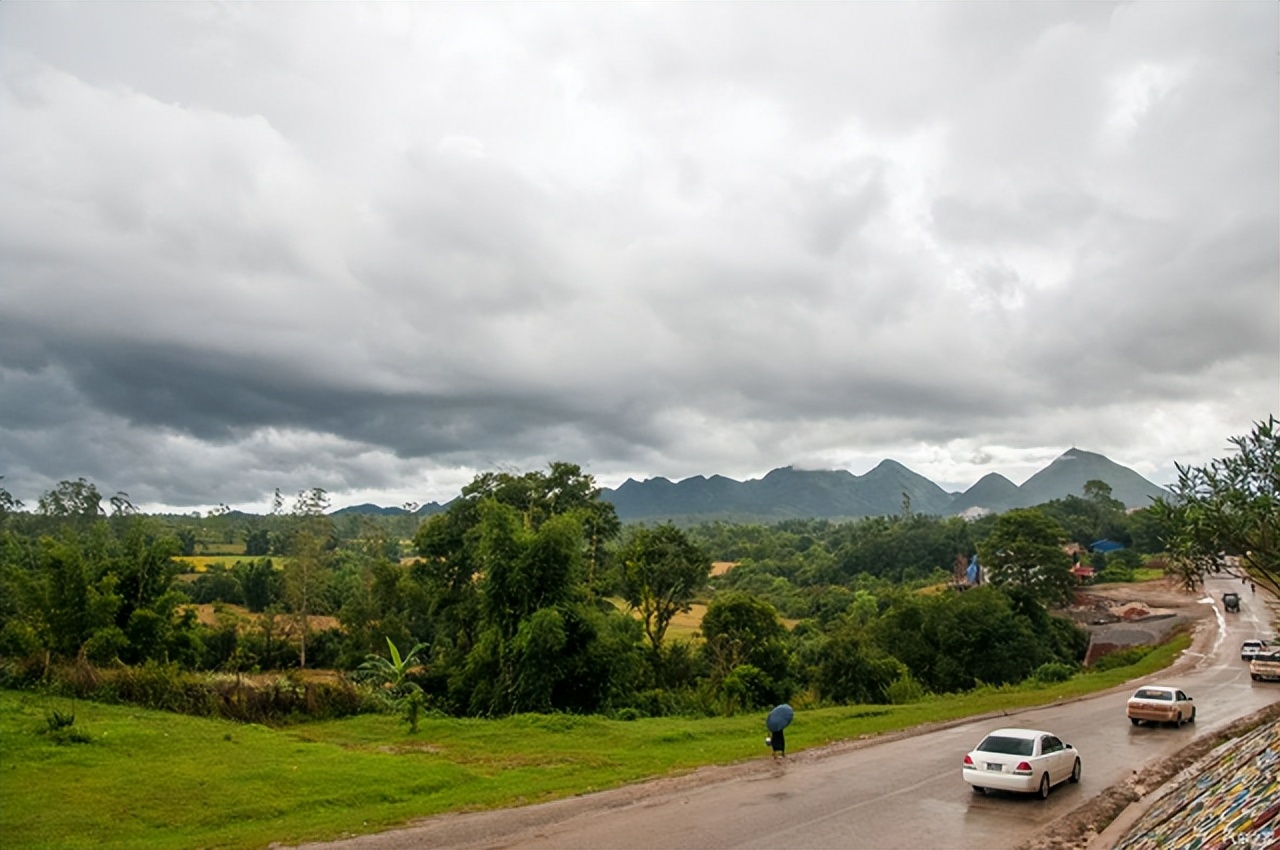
(789, 493)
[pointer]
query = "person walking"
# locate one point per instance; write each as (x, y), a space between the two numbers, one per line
(778, 720)
(778, 740)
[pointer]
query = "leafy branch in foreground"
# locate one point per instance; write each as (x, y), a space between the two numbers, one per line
(1227, 512)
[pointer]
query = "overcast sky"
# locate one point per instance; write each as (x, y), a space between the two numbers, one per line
(378, 248)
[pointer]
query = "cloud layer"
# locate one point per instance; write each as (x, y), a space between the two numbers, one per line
(378, 247)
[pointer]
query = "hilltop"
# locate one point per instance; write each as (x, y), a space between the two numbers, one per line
(889, 488)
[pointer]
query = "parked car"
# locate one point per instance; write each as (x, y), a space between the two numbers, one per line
(1160, 704)
(1265, 665)
(1250, 648)
(1029, 761)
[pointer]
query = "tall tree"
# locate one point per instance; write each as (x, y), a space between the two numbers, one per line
(77, 499)
(1228, 508)
(742, 629)
(662, 569)
(1025, 549)
(310, 561)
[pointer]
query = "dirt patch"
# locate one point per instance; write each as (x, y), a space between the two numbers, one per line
(1140, 614)
(719, 568)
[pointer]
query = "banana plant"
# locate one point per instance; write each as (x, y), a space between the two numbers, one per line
(390, 675)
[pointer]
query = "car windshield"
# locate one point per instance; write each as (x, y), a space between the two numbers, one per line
(1149, 693)
(1007, 746)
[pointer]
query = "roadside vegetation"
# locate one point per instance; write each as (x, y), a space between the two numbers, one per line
(145, 779)
(522, 643)
(527, 595)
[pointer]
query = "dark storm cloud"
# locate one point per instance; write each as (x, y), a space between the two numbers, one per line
(378, 248)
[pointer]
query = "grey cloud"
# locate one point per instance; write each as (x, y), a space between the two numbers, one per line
(375, 248)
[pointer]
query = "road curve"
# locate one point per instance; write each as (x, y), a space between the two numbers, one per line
(901, 792)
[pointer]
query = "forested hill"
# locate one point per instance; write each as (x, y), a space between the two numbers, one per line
(886, 490)
(789, 493)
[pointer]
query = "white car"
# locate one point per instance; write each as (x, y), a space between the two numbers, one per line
(1160, 704)
(1265, 665)
(1026, 760)
(1250, 648)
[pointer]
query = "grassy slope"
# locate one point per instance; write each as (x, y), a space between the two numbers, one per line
(155, 780)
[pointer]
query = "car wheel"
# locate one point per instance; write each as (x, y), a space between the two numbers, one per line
(1181, 720)
(1193, 716)
(1255, 677)
(1043, 793)
(978, 789)
(1075, 772)
(1135, 721)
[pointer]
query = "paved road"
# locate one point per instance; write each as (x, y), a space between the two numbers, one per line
(904, 793)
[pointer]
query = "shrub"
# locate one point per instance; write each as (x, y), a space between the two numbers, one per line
(1115, 573)
(747, 687)
(60, 727)
(1120, 658)
(1053, 671)
(904, 690)
(165, 687)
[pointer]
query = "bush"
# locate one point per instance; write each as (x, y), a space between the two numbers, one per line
(904, 690)
(60, 727)
(1120, 658)
(1115, 573)
(165, 687)
(1053, 671)
(748, 687)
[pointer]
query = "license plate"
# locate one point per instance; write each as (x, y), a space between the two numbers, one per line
(994, 766)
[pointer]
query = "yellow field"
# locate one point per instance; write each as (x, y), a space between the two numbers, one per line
(208, 615)
(685, 625)
(204, 563)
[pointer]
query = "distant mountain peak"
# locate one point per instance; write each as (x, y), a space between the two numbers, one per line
(885, 490)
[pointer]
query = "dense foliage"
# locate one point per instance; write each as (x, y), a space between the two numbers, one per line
(1226, 514)
(526, 594)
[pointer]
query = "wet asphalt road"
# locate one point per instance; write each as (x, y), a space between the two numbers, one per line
(904, 793)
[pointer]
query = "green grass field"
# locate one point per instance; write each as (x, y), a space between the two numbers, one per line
(148, 779)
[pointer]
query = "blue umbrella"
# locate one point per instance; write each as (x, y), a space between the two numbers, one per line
(779, 718)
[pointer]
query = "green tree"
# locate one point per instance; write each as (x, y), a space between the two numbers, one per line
(1230, 507)
(77, 499)
(662, 569)
(852, 669)
(1025, 549)
(259, 583)
(257, 542)
(8, 504)
(741, 629)
(310, 562)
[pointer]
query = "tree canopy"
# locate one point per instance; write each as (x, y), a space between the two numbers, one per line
(1227, 512)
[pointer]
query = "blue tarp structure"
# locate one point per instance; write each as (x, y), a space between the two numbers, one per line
(974, 574)
(779, 718)
(1105, 546)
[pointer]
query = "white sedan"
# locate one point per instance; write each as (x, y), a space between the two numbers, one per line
(1026, 760)
(1160, 704)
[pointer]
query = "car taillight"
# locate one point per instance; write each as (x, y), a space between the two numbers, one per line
(1023, 768)
(968, 762)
